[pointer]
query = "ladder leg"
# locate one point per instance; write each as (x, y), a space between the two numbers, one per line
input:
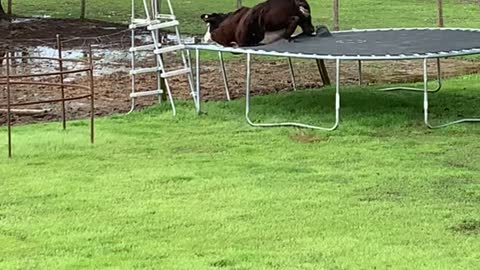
(170, 8)
(158, 77)
(170, 97)
(132, 56)
(161, 67)
(186, 64)
(147, 12)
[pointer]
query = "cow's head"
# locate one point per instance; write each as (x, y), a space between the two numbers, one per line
(213, 21)
(305, 17)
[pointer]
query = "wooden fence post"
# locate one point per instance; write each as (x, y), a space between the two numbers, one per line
(440, 13)
(9, 7)
(336, 24)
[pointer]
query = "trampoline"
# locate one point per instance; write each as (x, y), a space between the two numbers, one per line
(360, 45)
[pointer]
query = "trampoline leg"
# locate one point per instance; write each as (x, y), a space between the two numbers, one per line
(189, 60)
(292, 124)
(322, 69)
(132, 106)
(198, 99)
(360, 75)
(132, 63)
(292, 74)
(439, 81)
(425, 104)
(224, 75)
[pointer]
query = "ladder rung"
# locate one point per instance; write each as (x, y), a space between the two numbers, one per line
(144, 70)
(136, 23)
(143, 48)
(166, 17)
(140, 21)
(162, 25)
(175, 73)
(146, 93)
(169, 49)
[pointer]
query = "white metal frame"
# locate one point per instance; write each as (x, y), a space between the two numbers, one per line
(338, 59)
(153, 22)
(225, 76)
(439, 82)
(293, 124)
(425, 104)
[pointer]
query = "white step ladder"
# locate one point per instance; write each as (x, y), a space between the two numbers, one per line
(153, 21)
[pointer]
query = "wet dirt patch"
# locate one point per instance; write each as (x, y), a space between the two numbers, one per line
(223, 263)
(379, 193)
(468, 227)
(307, 137)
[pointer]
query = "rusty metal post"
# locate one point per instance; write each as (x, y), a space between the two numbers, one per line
(60, 62)
(9, 124)
(92, 97)
(336, 23)
(440, 13)
(322, 69)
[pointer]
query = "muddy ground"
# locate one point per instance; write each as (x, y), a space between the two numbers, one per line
(113, 84)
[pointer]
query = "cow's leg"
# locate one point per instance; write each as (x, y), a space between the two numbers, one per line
(292, 26)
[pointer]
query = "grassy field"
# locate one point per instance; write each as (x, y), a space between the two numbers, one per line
(210, 192)
(354, 14)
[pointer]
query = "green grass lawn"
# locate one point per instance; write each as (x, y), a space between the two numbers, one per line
(354, 14)
(210, 192)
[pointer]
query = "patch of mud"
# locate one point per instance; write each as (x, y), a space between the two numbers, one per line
(38, 31)
(467, 227)
(307, 137)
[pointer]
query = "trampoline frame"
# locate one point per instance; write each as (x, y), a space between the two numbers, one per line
(338, 59)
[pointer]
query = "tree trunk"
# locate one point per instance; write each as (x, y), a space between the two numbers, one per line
(440, 13)
(336, 20)
(3, 15)
(82, 9)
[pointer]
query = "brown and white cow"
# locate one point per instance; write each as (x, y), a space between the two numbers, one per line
(265, 23)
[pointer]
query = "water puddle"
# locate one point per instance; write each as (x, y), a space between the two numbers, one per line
(29, 19)
(106, 60)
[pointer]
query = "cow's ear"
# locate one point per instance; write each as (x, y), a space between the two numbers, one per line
(305, 11)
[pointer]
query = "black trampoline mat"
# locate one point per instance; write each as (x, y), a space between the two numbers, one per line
(391, 42)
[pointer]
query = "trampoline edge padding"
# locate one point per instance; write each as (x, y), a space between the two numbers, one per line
(370, 44)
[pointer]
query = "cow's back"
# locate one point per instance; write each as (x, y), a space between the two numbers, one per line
(225, 33)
